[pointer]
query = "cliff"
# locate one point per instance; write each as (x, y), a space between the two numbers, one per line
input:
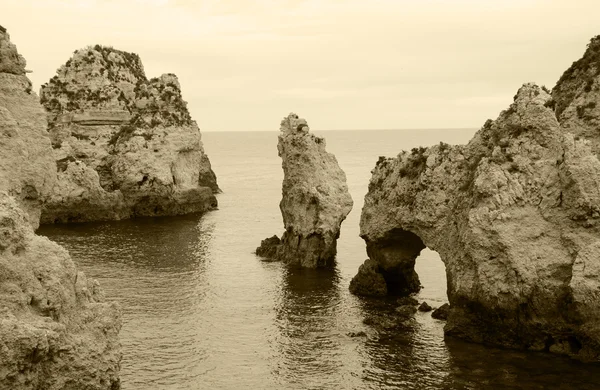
(26, 163)
(315, 199)
(514, 216)
(57, 332)
(136, 148)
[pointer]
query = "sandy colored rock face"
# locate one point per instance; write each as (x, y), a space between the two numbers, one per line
(26, 162)
(515, 217)
(138, 151)
(56, 330)
(315, 197)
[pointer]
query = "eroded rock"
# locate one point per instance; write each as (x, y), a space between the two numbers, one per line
(138, 151)
(315, 197)
(56, 330)
(514, 216)
(26, 162)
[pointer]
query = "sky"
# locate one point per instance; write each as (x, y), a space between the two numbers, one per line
(341, 64)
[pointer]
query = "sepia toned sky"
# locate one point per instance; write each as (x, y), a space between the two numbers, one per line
(341, 64)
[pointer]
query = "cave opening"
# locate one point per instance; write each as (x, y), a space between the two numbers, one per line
(396, 256)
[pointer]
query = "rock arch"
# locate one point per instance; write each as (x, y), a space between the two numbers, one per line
(515, 217)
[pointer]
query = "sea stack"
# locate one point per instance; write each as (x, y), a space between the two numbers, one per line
(315, 199)
(514, 216)
(56, 330)
(124, 145)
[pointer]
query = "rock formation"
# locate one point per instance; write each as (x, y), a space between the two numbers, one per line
(124, 145)
(56, 331)
(26, 163)
(315, 199)
(514, 216)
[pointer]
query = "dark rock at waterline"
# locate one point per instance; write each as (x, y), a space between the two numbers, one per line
(406, 310)
(441, 313)
(381, 321)
(357, 334)
(268, 247)
(424, 307)
(369, 281)
(407, 301)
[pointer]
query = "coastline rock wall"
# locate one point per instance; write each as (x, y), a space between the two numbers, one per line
(514, 216)
(26, 162)
(136, 135)
(56, 330)
(315, 199)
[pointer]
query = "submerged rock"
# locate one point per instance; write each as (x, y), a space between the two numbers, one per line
(315, 197)
(135, 147)
(514, 216)
(56, 330)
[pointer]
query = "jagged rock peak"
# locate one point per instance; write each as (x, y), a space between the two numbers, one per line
(315, 198)
(576, 96)
(10, 59)
(292, 124)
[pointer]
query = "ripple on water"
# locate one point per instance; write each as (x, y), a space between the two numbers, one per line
(200, 311)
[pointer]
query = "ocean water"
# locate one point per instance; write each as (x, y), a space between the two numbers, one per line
(201, 311)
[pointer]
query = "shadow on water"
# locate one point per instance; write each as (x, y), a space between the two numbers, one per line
(474, 366)
(156, 269)
(173, 244)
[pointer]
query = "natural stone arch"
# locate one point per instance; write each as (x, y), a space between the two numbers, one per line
(514, 216)
(395, 255)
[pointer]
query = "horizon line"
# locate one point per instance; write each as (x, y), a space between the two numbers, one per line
(389, 129)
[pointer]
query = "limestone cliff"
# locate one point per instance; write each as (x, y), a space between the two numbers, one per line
(315, 198)
(135, 135)
(515, 217)
(56, 331)
(26, 163)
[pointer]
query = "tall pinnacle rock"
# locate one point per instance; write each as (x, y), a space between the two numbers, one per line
(315, 199)
(124, 145)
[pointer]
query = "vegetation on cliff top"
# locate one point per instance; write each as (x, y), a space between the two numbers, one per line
(583, 71)
(154, 102)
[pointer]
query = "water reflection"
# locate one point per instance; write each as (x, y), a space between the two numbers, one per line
(309, 347)
(475, 366)
(155, 268)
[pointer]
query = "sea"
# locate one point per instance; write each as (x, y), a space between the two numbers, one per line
(202, 311)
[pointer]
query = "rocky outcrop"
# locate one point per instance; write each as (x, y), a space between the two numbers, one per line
(56, 330)
(26, 162)
(315, 198)
(514, 216)
(135, 147)
(576, 97)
